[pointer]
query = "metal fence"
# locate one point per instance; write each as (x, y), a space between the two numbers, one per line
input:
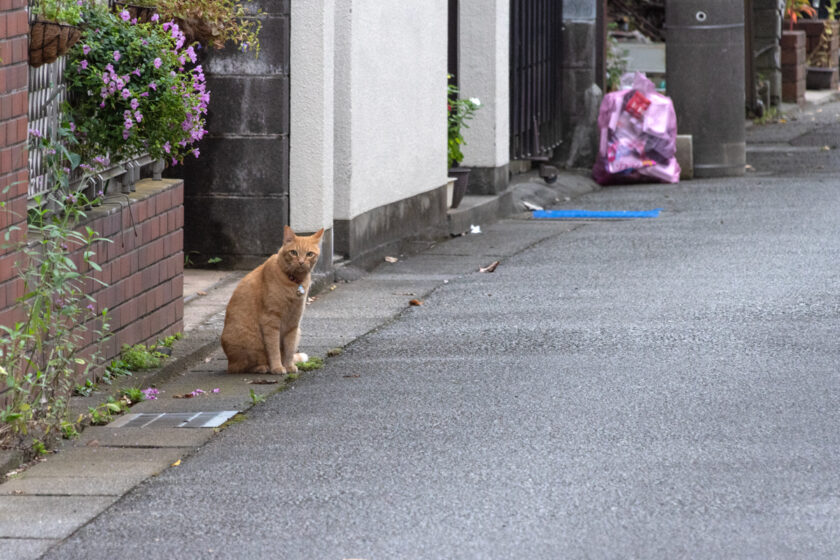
(535, 77)
(46, 93)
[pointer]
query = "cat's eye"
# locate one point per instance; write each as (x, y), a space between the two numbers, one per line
(293, 252)
(310, 254)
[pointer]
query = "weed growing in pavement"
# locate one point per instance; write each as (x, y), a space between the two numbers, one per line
(104, 413)
(133, 394)
(310, 365)
(170, 341)
(69, 430)
(140, 356)
(256, 399)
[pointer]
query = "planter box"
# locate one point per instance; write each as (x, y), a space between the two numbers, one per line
(821, 78)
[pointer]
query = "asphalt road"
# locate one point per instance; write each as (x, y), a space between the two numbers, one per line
(653, 388)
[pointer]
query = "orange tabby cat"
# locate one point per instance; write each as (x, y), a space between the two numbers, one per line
(262, 319)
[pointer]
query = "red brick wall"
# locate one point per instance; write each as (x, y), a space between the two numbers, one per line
(14, 168)
(143, 265)
(142, 277)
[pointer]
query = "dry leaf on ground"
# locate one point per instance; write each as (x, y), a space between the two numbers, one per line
(415, 302)
(391, 259)
(490, 267)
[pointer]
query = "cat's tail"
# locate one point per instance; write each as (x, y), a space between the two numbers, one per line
(301, 357)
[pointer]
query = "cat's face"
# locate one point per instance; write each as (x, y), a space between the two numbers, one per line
(299, 254)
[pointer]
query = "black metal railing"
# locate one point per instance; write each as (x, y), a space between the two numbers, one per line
(535, 77)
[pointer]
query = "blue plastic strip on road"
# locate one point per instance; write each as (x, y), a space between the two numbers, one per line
(549, 214)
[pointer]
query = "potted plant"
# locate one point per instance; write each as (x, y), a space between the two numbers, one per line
(822, 47)
(130, 91)
(459, 112)
(53, 29)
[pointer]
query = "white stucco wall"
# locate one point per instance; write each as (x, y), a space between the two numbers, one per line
(484, 72)
(390, 102)
(311, 109)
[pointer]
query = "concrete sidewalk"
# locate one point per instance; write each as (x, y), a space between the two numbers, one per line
(48, 501)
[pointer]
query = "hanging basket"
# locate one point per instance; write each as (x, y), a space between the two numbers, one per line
(143, 14)
(49, 39)
(197, 29)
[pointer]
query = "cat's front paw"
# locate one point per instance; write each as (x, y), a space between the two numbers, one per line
(292, 368)
(279, 370)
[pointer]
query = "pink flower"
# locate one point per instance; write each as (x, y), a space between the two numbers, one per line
(158, 62)
(85, 49)
(167, 148)
(155, 17)
(125, 93)
(124, 15)
(216, 390)
(134, 104)
(138, 116)
(83, 64)
(196, 152)
(116, 55)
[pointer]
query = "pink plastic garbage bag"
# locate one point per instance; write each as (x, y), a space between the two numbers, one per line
(638, 135)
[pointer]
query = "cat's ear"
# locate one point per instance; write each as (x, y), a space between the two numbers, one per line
(288, 235)
(316, 237)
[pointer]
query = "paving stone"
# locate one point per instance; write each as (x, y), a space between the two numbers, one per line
(70, 486)
(106, 462)
(142, 437)
(25, 549)
(48, 517)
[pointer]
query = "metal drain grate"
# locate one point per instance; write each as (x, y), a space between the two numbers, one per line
(173, 419)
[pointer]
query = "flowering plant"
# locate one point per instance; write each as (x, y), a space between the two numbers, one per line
(63, 11)
(211, 22)
(460, 111)
(131, 92)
